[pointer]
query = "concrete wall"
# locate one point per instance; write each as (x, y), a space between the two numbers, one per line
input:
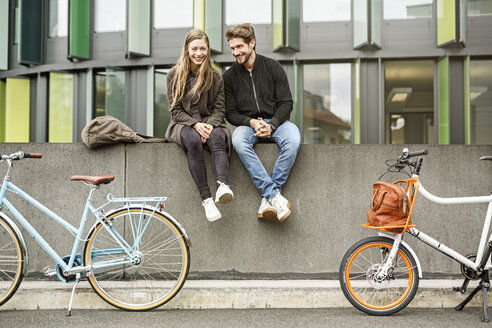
(329, 188)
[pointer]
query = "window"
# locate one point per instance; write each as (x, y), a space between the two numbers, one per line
(161, 108)
(110, 16)
(325, 10)
(407, 9)
(481, 102)
(17, 110)
(252, 11)
(327, 104)
(58, 18)
(409, 102)
(479, 7)
(61, 108)
(173, 14)
(111, 94)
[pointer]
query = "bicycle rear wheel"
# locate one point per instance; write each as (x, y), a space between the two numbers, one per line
(11, 261)
(367, 292)
(161, 268)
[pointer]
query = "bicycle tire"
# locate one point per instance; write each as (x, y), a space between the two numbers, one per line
(12, 261)
(360, 285)
(162, 271)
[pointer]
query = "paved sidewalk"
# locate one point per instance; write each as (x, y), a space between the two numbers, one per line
(235, 294)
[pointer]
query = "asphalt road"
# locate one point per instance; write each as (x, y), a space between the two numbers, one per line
(284, 318)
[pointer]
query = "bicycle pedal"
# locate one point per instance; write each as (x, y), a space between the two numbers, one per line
(48, 272)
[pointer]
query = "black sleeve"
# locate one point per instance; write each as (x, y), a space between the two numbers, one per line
(283, 95)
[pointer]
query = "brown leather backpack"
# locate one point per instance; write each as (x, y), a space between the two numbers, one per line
(389, 205)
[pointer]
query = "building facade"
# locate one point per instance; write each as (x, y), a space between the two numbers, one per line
(360, 71)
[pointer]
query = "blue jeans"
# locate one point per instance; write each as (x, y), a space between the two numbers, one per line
(288, 138)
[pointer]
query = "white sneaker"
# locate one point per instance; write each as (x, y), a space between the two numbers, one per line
(266, 211)
(211, 211)
(224, 194)
(281, 205)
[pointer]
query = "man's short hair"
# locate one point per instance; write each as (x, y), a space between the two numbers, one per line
(244, 31)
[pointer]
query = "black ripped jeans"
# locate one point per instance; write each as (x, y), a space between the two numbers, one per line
(216, 144)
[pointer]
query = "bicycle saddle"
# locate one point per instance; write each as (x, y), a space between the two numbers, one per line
(486, 158)
(94, 179)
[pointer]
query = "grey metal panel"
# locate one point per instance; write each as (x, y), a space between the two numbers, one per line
(56, 50)
(137, 100)
(109, 46)
(40, 123)
(457, 101)
(369, 102)
(79, 104)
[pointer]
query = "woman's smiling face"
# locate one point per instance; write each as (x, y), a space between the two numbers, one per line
(197, 51)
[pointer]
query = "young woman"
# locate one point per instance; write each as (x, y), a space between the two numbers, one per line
(195, 92)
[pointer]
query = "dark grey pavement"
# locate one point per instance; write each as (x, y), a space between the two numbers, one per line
(284, 318)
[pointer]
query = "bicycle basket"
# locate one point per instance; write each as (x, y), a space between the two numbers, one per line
(391, 206)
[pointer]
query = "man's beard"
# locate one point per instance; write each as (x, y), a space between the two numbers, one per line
(246, 58)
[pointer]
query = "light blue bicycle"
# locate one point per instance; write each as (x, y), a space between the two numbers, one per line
(135, 256)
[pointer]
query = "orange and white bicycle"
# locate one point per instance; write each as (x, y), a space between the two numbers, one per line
(380, 275)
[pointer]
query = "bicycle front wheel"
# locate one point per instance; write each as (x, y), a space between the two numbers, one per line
(159, 253)
(11, 261)
(368, 291)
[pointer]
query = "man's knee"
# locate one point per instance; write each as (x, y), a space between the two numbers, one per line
(241, 138)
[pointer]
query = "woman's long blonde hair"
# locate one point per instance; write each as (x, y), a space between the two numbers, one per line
(183, 67)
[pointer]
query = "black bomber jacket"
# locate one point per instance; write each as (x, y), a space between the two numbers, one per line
(270, 98)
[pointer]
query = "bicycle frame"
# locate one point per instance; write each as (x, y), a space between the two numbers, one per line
(443, 248)
(70, 268)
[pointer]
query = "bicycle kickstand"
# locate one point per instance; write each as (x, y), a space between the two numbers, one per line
(77, 279)
(484, 285)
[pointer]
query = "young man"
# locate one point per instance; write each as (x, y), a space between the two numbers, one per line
(259, 103)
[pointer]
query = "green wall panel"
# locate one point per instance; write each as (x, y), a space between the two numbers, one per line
(79, 36)
(4, 34)
(361, 23)
(466, 84)
(376, 21)
(199, 15)
(293, 24)
(2, 111)
(60, 125)
(31, 32)
(214, 23)
(138, 29)
(446, 22)
(286, 24)
(443, 96)
(356, 93)
(278, 24)
(17, 104)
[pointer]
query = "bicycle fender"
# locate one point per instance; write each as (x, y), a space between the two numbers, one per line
(392, 236)
(21, 238)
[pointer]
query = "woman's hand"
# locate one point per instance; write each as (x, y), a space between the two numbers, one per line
(203, 130)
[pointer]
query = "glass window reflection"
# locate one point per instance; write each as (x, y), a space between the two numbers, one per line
(173, 14)
(58, 18)
(110, 16)
(407, 9)
(325, 10)
(161, 106)
(327, 103)
(481, 102)
(111, 94)
(252, 11)
(479, 7)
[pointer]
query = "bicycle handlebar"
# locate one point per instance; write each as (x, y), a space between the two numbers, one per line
(20, 155)
(417, 153)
